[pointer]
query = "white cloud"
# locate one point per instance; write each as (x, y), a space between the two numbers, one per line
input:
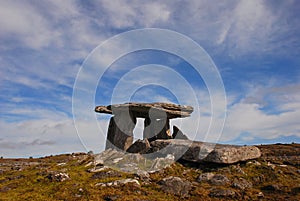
(22, 20)
(42, 45)
(128, 14)
(250, 116)
(46, 136)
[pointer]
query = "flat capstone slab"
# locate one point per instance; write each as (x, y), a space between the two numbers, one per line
(142, 110)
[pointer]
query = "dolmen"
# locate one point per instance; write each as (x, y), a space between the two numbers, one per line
(157, 136)
(156, 125)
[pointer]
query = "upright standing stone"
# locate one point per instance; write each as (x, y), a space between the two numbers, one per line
(157, 129)
(178, 134)
(120, 132)
(148, 132)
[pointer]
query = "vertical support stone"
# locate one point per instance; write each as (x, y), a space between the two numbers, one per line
(148, 130)
(120, 132)
(163, 131)
(157, 129)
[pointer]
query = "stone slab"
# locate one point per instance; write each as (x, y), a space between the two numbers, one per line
(145, 110)
(195, 151)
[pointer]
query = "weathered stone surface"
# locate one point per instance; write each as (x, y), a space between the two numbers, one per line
(185, 149)
(143, 175)
(157, 129)
(214, 179)
(205, 177)
(241, 183)
(205, 152)
(120, 132)
(139, 146)
(161, 163)
(58, 176)
(222, 193)
(119, 183)
(129, 162)
(231, 154)
(106, 174)
(142, 110)
(178, 134)
(176, 186)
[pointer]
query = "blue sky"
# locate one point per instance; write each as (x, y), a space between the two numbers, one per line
(255, 46)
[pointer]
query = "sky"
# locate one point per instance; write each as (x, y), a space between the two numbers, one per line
(50, 55)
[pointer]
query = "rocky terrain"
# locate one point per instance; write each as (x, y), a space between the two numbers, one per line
(275, 175)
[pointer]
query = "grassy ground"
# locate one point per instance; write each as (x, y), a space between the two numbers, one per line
(276, 176)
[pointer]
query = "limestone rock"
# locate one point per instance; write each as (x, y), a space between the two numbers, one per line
(194, 151)
(119, 183)
(241, 183)
(205, 177)
(58, 176)
(156, 129)
(143, 175)
(176, 186)
(161, 163)
(178, 134)
(214, 179)
(106, 174)
(222, 193)
(157, 110)
(120, 132)
(231, 154)
(139, 146)
(129, 162)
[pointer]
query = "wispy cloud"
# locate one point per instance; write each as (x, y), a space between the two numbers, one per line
(42, 46)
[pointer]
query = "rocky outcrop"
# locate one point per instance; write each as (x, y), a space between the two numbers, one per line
(214, 179)
(222, 193)
(128, 162)
(176, 186)
(58, 176)
(121, 182)
(139, 146)
(273, 176)
(241, 183)
(194, 151)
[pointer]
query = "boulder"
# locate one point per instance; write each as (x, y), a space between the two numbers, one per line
(205, 177)
(222, 193)
(194, 151)
(106, 174)
(176, 186)
(58, 176)
(241, 184)
(139, 146)
(228, 154)
(121, 182)
(214, 179)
